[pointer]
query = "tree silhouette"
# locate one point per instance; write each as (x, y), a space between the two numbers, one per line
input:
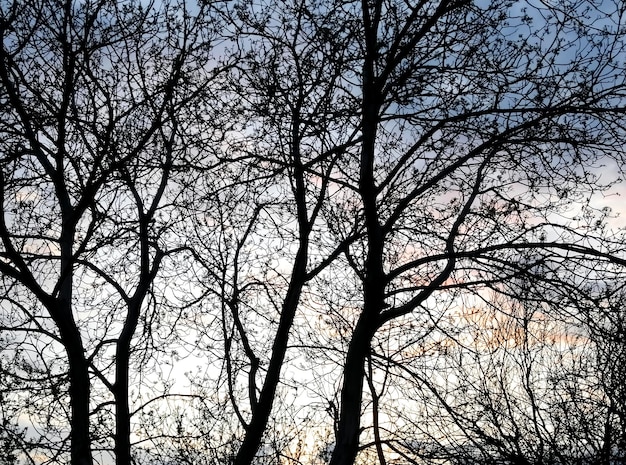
(96, 127)
(377, 227)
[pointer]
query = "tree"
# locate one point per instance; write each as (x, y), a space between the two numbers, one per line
(99, 120)
(517, 384)
(364, 219)
(479, 128)
(469, 134)
(268, 214)
(603, 320)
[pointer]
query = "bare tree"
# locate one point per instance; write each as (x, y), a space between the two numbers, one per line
(356, 231)
(472, 136)
(99, 117)
(267, 220)
(481, 128)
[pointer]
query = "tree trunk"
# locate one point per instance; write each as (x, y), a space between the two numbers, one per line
(347, 440)
(61, 311)
(263, 409)
(122, 409)
(348, 429)
(122, 363)
(79, 400)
